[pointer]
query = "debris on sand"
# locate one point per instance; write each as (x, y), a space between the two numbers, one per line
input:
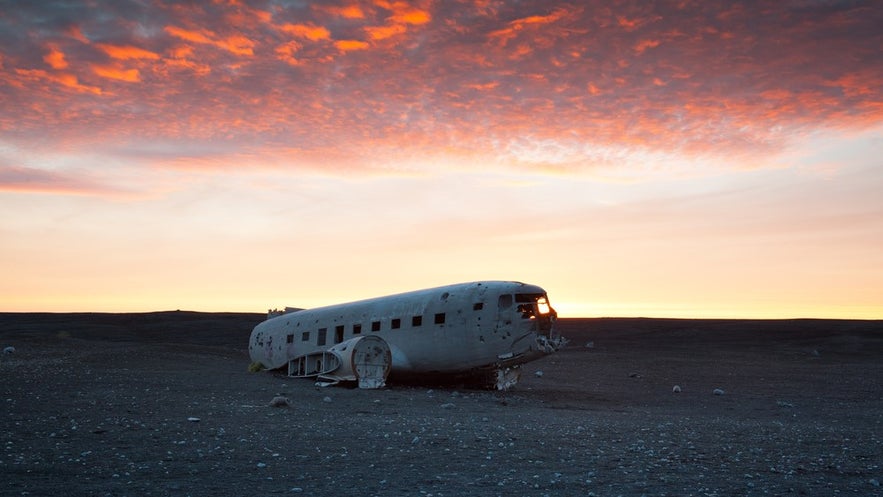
(676, 389)
(718, 391)
(280, 401)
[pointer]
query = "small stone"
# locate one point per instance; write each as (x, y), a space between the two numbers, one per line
(193, 420)
(874, 482)
(447, 406)
(590, 345)
(326, 399)
(538, 374)
(262, 465)
(280, 401)
(676, 389)
(718, 391)
(9, 350)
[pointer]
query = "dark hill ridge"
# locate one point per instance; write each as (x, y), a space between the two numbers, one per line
(215, 328)
(854, 336)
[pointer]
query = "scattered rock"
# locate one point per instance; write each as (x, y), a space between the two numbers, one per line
(718, 391)
(280, 401)
(676, 389)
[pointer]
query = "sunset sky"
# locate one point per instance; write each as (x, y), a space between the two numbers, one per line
(633, 158)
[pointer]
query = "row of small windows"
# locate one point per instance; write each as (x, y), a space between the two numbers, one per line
(395, 324)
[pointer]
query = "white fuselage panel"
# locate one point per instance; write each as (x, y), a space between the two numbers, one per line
(447, 329)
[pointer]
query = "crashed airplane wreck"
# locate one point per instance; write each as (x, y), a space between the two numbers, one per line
(481, 332)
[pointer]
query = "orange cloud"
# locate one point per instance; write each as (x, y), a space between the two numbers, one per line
(384, 32)
(180, 57)
(404, 12)
(235, 44)
(412, 16)
(65, 79)
(111, 72)
(403, 15)
(353, 11)
(627, 24)
(483, 87)
(76, 33)
(204, 37)
(515, 27)
(350, 45)
(126, 52)
(643, 45)
(286, 52)
(55, 58)
(311, 32)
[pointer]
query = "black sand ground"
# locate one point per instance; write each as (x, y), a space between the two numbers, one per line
(161, 404)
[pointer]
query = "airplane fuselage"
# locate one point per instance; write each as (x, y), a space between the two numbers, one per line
(450, 329)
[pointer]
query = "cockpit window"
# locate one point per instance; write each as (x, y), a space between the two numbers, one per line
(530, 304)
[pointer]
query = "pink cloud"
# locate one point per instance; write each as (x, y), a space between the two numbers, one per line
(29, 180)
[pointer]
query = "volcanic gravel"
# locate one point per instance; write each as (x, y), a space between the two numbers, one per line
(162, 404)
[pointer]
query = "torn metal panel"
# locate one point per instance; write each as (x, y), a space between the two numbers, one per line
(366, 360)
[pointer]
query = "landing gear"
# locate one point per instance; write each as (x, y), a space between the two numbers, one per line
(505, 377)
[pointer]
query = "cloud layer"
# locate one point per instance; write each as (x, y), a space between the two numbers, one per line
(502, 82)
